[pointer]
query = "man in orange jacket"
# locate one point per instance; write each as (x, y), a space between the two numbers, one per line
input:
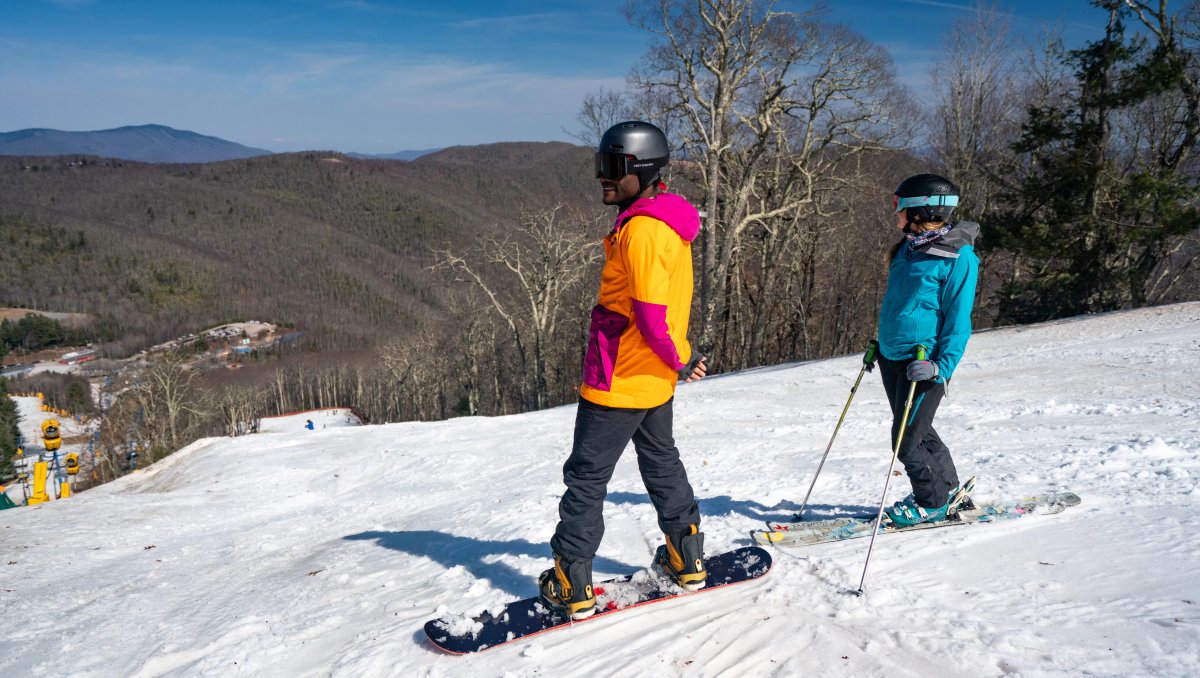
(637, 337)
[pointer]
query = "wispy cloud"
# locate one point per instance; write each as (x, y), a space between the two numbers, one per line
(943, 5)
(346, 97)
(513, 22)
(1004, 13)
(360, 5)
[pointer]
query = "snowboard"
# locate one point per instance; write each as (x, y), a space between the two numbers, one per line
(524, 618)
(804, 533)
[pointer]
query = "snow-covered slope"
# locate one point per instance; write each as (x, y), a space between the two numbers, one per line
(322, 553)
(296, 423)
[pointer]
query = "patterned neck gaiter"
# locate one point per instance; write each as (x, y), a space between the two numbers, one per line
(919, 240)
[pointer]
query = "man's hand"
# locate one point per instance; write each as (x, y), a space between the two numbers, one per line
(695, 370)
(922, 370)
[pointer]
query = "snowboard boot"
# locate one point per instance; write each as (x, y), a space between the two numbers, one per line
(566, 588)
(682, 559)
(907, 512)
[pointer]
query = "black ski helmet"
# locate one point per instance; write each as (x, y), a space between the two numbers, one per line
(927, 197)
(632, 147)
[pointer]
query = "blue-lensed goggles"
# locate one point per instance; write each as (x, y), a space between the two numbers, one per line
(926, 201)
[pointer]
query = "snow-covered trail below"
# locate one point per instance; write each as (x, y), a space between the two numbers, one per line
(323, 552)
(30, 417)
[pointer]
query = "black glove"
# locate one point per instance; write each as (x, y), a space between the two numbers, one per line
(685, 372)
(870, 356)
(922, 370)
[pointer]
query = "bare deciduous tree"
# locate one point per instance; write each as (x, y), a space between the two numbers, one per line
(545, 256)
(240, 406)
(170, 404)
(156, 411)
(600, 110)
(773, 104)
(976, 105)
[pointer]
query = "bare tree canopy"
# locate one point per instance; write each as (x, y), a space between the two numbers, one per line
(775, 108)
(543, 260)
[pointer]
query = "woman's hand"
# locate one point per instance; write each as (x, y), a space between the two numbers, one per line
(922, 370)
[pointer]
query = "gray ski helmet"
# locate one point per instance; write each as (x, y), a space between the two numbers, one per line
(632, 147)
(927, 197)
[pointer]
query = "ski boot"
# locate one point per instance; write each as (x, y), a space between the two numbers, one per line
(566, 588)
(960, 498)
(906, 512)
(682, 559)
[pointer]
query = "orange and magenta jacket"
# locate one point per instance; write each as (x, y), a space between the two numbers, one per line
(638, 336)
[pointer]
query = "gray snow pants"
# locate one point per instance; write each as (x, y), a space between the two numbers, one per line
(601, 434)
(925, 457)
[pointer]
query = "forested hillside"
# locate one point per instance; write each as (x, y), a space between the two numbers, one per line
(339, 246)
(349, 254)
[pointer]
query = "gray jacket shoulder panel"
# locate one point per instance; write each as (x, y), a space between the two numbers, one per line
(964, 233)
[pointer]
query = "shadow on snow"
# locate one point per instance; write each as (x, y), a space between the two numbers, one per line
(781, 512)
(479, 556)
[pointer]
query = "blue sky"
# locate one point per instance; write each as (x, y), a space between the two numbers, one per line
(377, 76)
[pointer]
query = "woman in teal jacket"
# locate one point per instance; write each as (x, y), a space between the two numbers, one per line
(930, 293)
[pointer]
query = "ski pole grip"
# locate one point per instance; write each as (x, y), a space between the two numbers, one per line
(921, 351)
(872, 351)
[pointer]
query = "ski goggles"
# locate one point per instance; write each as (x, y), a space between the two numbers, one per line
(611, 165)
(924, 201)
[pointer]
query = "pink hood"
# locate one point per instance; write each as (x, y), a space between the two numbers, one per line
(669, 208)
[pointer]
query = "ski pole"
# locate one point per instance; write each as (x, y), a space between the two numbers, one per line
(887, 481)
(868, 364)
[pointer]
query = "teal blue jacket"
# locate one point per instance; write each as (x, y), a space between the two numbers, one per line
(930, 294)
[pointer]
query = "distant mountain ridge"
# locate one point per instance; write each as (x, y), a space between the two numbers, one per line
(398, 155)
(141, 143)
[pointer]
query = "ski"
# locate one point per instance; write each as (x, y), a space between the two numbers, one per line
(528, 617)
(805, 533)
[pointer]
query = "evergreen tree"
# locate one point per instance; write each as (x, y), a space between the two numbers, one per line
(10, 435)
(1104, 201)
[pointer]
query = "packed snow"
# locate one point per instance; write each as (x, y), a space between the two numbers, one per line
(310, 420)
(323, 552)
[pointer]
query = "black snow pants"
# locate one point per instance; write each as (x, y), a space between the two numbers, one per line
(601, 434)
(925, 457)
